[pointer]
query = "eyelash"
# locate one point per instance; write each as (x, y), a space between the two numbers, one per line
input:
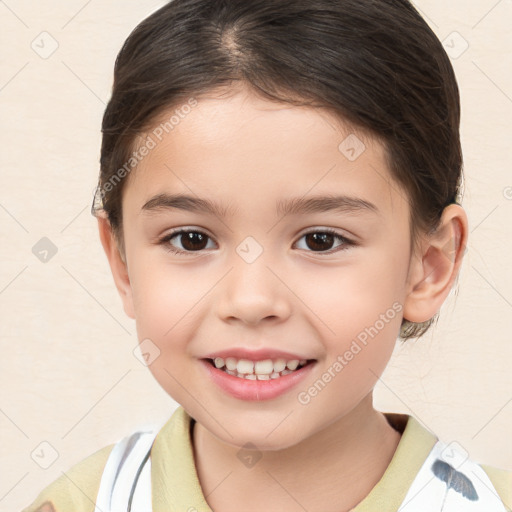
(347, 243)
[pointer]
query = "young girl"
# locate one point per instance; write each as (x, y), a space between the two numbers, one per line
(279, 201)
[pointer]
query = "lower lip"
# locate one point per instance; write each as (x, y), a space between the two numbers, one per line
(259, 390)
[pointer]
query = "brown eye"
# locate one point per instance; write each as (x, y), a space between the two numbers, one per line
(323, 240)
(193, 240)
(319, 241)
(190, 241)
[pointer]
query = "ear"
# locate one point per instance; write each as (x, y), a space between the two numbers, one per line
(117, 263)
(435, 266)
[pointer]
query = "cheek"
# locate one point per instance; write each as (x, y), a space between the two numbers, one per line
(163, 300)
(356, 357)
(350, 298)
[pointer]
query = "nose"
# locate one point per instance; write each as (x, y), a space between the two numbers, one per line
(252, 292)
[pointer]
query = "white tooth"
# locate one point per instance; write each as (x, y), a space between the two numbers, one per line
(264, 367)
(292, 365)
(279, 365)
(231, 363)
(286, 372)
(241, 375)
(250, 376)
(219, 362)
(263, 377)
(245, 366)
(303, 362)
(275, 375)
(231, 372)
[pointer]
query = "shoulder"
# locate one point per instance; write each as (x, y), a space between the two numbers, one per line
(502, 481)
(419, 444)
(76, 489)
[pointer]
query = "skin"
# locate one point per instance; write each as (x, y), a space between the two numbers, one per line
(248, 153)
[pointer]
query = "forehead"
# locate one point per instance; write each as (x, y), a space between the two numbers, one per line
(241, 150)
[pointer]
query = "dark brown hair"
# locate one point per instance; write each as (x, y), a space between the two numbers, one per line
(376, 64)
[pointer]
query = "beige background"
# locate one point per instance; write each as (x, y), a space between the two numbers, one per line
(70, 379)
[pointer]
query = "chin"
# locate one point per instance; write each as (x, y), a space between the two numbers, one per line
(264, 437)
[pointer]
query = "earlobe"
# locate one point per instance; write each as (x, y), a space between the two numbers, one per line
(118, 266)
(433, 271)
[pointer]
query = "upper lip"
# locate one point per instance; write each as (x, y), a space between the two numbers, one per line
(254, 355)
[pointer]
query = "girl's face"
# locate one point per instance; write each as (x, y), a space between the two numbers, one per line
(260, 273)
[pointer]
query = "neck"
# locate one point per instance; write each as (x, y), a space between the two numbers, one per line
(330, 471)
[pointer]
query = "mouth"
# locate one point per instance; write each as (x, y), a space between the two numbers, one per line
(267, 369)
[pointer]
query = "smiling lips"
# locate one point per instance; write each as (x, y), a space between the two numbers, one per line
(263, 382)
(257, 364)
(257, 374)
(265, 369)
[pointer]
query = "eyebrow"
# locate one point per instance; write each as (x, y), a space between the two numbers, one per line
(291, 206)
